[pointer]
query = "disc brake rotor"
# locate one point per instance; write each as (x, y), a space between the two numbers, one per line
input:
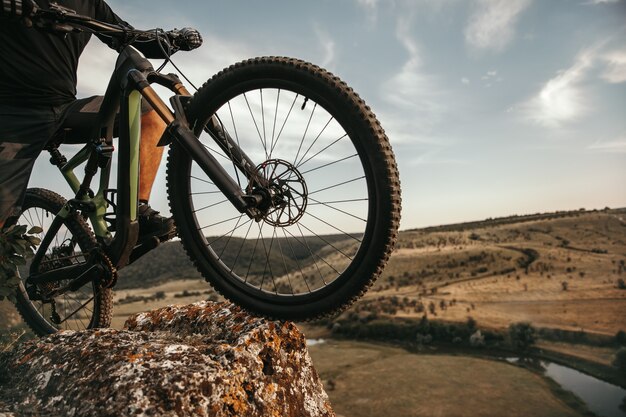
(285, 196)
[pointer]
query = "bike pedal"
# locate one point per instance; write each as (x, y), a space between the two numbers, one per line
(168, 236)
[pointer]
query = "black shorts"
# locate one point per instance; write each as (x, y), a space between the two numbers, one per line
(25, 131)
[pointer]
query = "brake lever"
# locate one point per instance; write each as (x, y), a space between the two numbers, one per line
(49, 19)
(62, 11)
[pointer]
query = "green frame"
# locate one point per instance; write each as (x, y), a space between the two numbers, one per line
(96, 218)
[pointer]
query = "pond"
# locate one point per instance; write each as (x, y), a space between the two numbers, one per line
(602, 398)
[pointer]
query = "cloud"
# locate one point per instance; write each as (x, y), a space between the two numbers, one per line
(594, 2)
(615, 71)
(371, 10)
(465, 80)
(490, 78)
(432, 157)
(562, 98)
(328, 46)
(492, 25)
(413, 97)
(612, 146)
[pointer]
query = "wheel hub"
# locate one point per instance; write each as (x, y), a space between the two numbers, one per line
(284, 198)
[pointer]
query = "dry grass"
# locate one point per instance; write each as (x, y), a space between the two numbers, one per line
(374, 380)
(482, 272)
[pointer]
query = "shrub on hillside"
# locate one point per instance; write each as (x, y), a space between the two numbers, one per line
(521, 336)
(16, 245)
(477, 339)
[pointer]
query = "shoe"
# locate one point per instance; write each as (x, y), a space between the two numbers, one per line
(151, 224)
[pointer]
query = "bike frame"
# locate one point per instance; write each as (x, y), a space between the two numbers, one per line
(129, 85)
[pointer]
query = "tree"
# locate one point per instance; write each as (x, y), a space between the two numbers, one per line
(521, 336)
(471, 324)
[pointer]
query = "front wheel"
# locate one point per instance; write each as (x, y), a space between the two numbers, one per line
(332, 205)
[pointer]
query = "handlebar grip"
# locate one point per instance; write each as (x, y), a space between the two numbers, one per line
(185, 39)
(19, 8)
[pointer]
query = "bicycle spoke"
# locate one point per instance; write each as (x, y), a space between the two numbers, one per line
(217, 223)
(329, 164)
(328, 204)
(200, 179)
(336, 185)
(210, 205)
(297, 261)
(325, 241)
(243, 242)
(256, 125)
(334, 227)
(285, 121)
(306, 129)
(326, 148)
(314, 142)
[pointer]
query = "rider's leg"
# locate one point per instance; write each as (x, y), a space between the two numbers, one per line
(150, 223)
(24, 130)
(152, 127)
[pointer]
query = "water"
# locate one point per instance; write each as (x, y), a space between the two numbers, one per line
(601, 398)
(311, 342)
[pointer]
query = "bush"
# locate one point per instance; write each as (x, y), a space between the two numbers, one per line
(15, 247)
(423, 339)
(620, 338)
(521, 336)
(477, 339)
(620, 360)
(621, 284)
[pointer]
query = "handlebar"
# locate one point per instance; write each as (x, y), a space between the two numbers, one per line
(62, 20)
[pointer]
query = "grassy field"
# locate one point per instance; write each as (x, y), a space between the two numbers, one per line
(364, 380)
(561, 272)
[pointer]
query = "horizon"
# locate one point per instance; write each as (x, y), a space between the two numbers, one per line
(493, 108)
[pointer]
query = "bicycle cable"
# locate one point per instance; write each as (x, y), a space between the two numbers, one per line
(168, 59)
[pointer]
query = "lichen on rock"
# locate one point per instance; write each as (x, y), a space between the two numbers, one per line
(204, 359)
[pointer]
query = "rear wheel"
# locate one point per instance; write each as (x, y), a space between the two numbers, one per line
(331, 194)
(89, 306)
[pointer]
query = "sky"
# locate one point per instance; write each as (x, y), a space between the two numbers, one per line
(492, 107)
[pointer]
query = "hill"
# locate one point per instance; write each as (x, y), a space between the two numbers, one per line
(559, 270)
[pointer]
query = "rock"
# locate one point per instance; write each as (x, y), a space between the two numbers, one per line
(204, 359)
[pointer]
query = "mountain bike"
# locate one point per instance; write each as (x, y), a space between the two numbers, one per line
(281, 181)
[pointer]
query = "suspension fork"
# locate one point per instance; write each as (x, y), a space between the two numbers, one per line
(178, 130)
(214, 126)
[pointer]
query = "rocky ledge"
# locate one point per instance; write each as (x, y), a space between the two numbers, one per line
(204, 359)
